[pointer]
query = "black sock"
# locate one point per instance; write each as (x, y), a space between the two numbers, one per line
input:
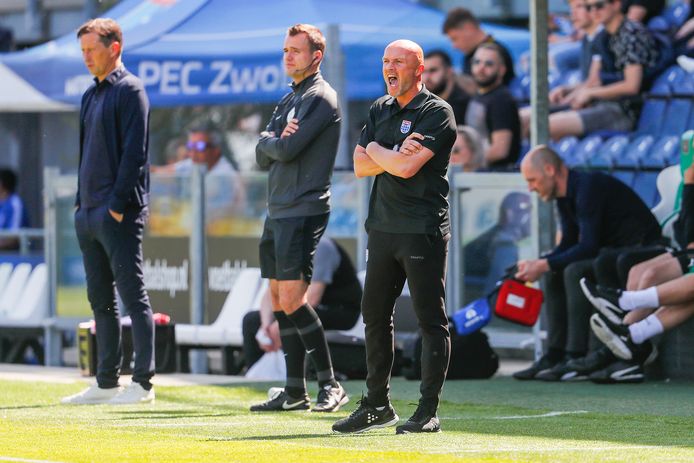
(311, 332)
(294, 354)
(555, 355)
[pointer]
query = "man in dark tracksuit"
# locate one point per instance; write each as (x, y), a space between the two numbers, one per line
(299, 148)
(599, 214)
(111, 208)
(406, 145)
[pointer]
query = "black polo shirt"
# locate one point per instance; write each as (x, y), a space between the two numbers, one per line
(417, 204)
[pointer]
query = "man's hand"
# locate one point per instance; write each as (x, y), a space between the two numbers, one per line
(272, 331)
(116, 216)
(580, 98)
(411, 146)
(557, 95)
(689, 175)
(291, 128)
(531, 270)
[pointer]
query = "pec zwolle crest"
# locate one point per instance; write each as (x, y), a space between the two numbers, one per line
(405, 126)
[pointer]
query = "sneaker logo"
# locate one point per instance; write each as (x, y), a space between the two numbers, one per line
(310, 351)
(288, 406)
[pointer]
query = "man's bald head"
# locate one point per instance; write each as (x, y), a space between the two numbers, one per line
(541, 156)
(409, 46)
(545, 172)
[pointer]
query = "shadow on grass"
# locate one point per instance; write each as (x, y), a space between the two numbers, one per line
(161, 414)
(23, 407)
(266, 437)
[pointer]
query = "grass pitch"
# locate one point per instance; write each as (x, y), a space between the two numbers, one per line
(495, 420)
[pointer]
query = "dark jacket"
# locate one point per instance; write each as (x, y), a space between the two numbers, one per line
(125, 127)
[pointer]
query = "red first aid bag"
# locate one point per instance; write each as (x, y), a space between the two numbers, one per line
(517, 302)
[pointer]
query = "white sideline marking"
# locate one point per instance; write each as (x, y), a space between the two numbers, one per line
(544, 415)
(25, 460)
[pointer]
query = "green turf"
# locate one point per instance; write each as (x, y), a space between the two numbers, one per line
(497, 420)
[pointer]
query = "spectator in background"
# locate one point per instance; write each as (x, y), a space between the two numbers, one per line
(463, 30)
(13, 215)
(439, 78)
(597, 212)
(493, 111)
(610, 98)
(176, 150)
(642, 11)
(468, 150)
(560, 97)
(334, 292)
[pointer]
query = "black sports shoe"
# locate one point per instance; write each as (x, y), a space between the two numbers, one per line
(620, 371)
(615, 336)
(283, 402)
(578, 369)
(330, 398)
(605, 300)
(545, 363)
(366, 417)
(424, 419)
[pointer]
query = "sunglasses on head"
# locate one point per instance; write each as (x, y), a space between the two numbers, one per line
(197, 145)
(488, 63)
(596, 6)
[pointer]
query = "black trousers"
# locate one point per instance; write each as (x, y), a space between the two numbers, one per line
(421, 259)
(612, 267)
(568, 310)
(332, 317)
(112, 254)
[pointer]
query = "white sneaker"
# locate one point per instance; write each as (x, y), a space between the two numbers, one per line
(92, 395)
(133, 394)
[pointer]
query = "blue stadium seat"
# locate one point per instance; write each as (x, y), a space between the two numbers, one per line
(625, 176)
(676, 116)
(663, 151)
(651, 117)
(610, 152)
(645, 186)
(686, 86)
(585, 150)
(565, 147)
(668, 82)
(636, 152)
(572, 77)
(677, 14)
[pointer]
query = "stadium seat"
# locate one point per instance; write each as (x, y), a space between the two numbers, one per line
(677, 14)
(565, 147)
(625, 176)
(572, 77)
(645, 186)
(652, 115)
(676, 116)
(518, 91)
(635, 152)
(663, 152)
(585, 150)
(5, 272)
(610, 152)
(32, 305)
(226, 329)
(13, 289)
(685, 89)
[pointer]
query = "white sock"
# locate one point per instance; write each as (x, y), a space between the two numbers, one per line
(642, 299)
(645, 329)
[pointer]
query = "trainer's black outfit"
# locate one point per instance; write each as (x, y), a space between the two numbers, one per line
(598, 213)
(114, 174)
(300, 169)
(408, 231)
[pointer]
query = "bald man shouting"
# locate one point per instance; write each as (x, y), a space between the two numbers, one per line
(405, 146)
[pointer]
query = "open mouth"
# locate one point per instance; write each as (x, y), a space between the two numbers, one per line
(392, 81)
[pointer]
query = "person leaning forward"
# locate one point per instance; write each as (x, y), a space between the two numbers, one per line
(405, 145)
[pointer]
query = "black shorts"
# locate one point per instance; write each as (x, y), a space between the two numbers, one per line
(288, 245)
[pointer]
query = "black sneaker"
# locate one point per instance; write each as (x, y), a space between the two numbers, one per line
(615, 336)
(579, 369)
(545, 363)
(621, 371)
(366, 417)
(283, 402)
(605, 300)
(330, 398)
(424, 419)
